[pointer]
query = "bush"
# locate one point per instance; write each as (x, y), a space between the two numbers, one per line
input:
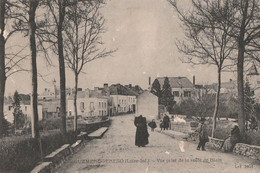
(22, 153)
(50, 124)
(223, 131)
(252, 138)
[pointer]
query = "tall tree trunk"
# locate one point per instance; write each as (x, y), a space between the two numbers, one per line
(216, 103)
(240, 67)
(32, 29)
(2, 65)
(75, 104)
(62, 67)
(240, 87)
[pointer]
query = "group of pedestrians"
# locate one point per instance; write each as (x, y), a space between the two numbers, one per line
(142, 135)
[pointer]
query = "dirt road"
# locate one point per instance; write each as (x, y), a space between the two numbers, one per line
(116, 152)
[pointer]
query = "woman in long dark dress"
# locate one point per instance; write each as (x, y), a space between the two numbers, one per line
(141, 136)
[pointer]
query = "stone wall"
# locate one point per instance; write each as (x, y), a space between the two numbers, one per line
(215, 143)
(193, 136)
(181, 127)
(250, 151)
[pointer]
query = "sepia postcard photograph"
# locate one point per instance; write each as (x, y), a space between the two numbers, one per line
(129, 86)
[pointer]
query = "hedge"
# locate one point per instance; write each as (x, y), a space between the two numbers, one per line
(22, 153)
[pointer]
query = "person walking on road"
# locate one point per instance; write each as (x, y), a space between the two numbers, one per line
(203, 135)
(166, 122)
(141, 135)
(152, 124)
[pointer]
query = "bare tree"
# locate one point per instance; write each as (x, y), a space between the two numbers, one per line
(82, 39)
(9, 62)
(32, 29)
(50, 35)
(204, 42)
(2, 64)
(243, 18)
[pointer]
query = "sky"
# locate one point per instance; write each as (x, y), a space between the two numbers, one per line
(144, 33)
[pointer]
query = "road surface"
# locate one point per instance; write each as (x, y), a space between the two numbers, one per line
(116, 152)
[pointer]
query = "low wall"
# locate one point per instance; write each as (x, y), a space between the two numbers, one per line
(90, 127)
(215, 143)
(181, 127)
(250, 151)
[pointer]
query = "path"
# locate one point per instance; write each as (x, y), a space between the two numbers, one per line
(116, 152)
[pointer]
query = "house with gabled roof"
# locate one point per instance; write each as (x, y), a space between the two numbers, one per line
(124, 98)
(182, 87)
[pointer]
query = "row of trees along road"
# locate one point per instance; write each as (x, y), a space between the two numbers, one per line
(216, 31)
(70, 29)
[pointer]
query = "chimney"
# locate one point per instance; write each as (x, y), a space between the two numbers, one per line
(194, 80)
(105, 85)
(95, 89)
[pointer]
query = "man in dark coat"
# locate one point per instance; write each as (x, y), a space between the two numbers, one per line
(203, 135)
(166, 122)
(141, 136)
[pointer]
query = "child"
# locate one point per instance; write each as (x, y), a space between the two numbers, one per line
(152, 124)
(161, 125)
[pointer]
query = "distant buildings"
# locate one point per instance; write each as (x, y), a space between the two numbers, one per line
(25, 106)
(183, 88)
(109, 100)
(89, 103)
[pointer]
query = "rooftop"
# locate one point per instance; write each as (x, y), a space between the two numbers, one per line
(177, 82)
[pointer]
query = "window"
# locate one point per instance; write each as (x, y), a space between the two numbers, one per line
(105, 112)
(82, 106)
(258, 82)
(99, 104)
(92, 106)
(9, 108)
(187, 93)
(100, 113)
(102, 104)
(105, 105)
(25, 108)
(176, 94)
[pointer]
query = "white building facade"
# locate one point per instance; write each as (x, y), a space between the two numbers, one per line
(26, 109)
(88, 106)
(148, 105)
(124, 103)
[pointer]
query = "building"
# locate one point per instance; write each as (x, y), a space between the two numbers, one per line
(123, 98)
(182, 87)
(25, 105)
(89, 103)
(50, 93)
(148, 105)
(228, 90)
(50, 108)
